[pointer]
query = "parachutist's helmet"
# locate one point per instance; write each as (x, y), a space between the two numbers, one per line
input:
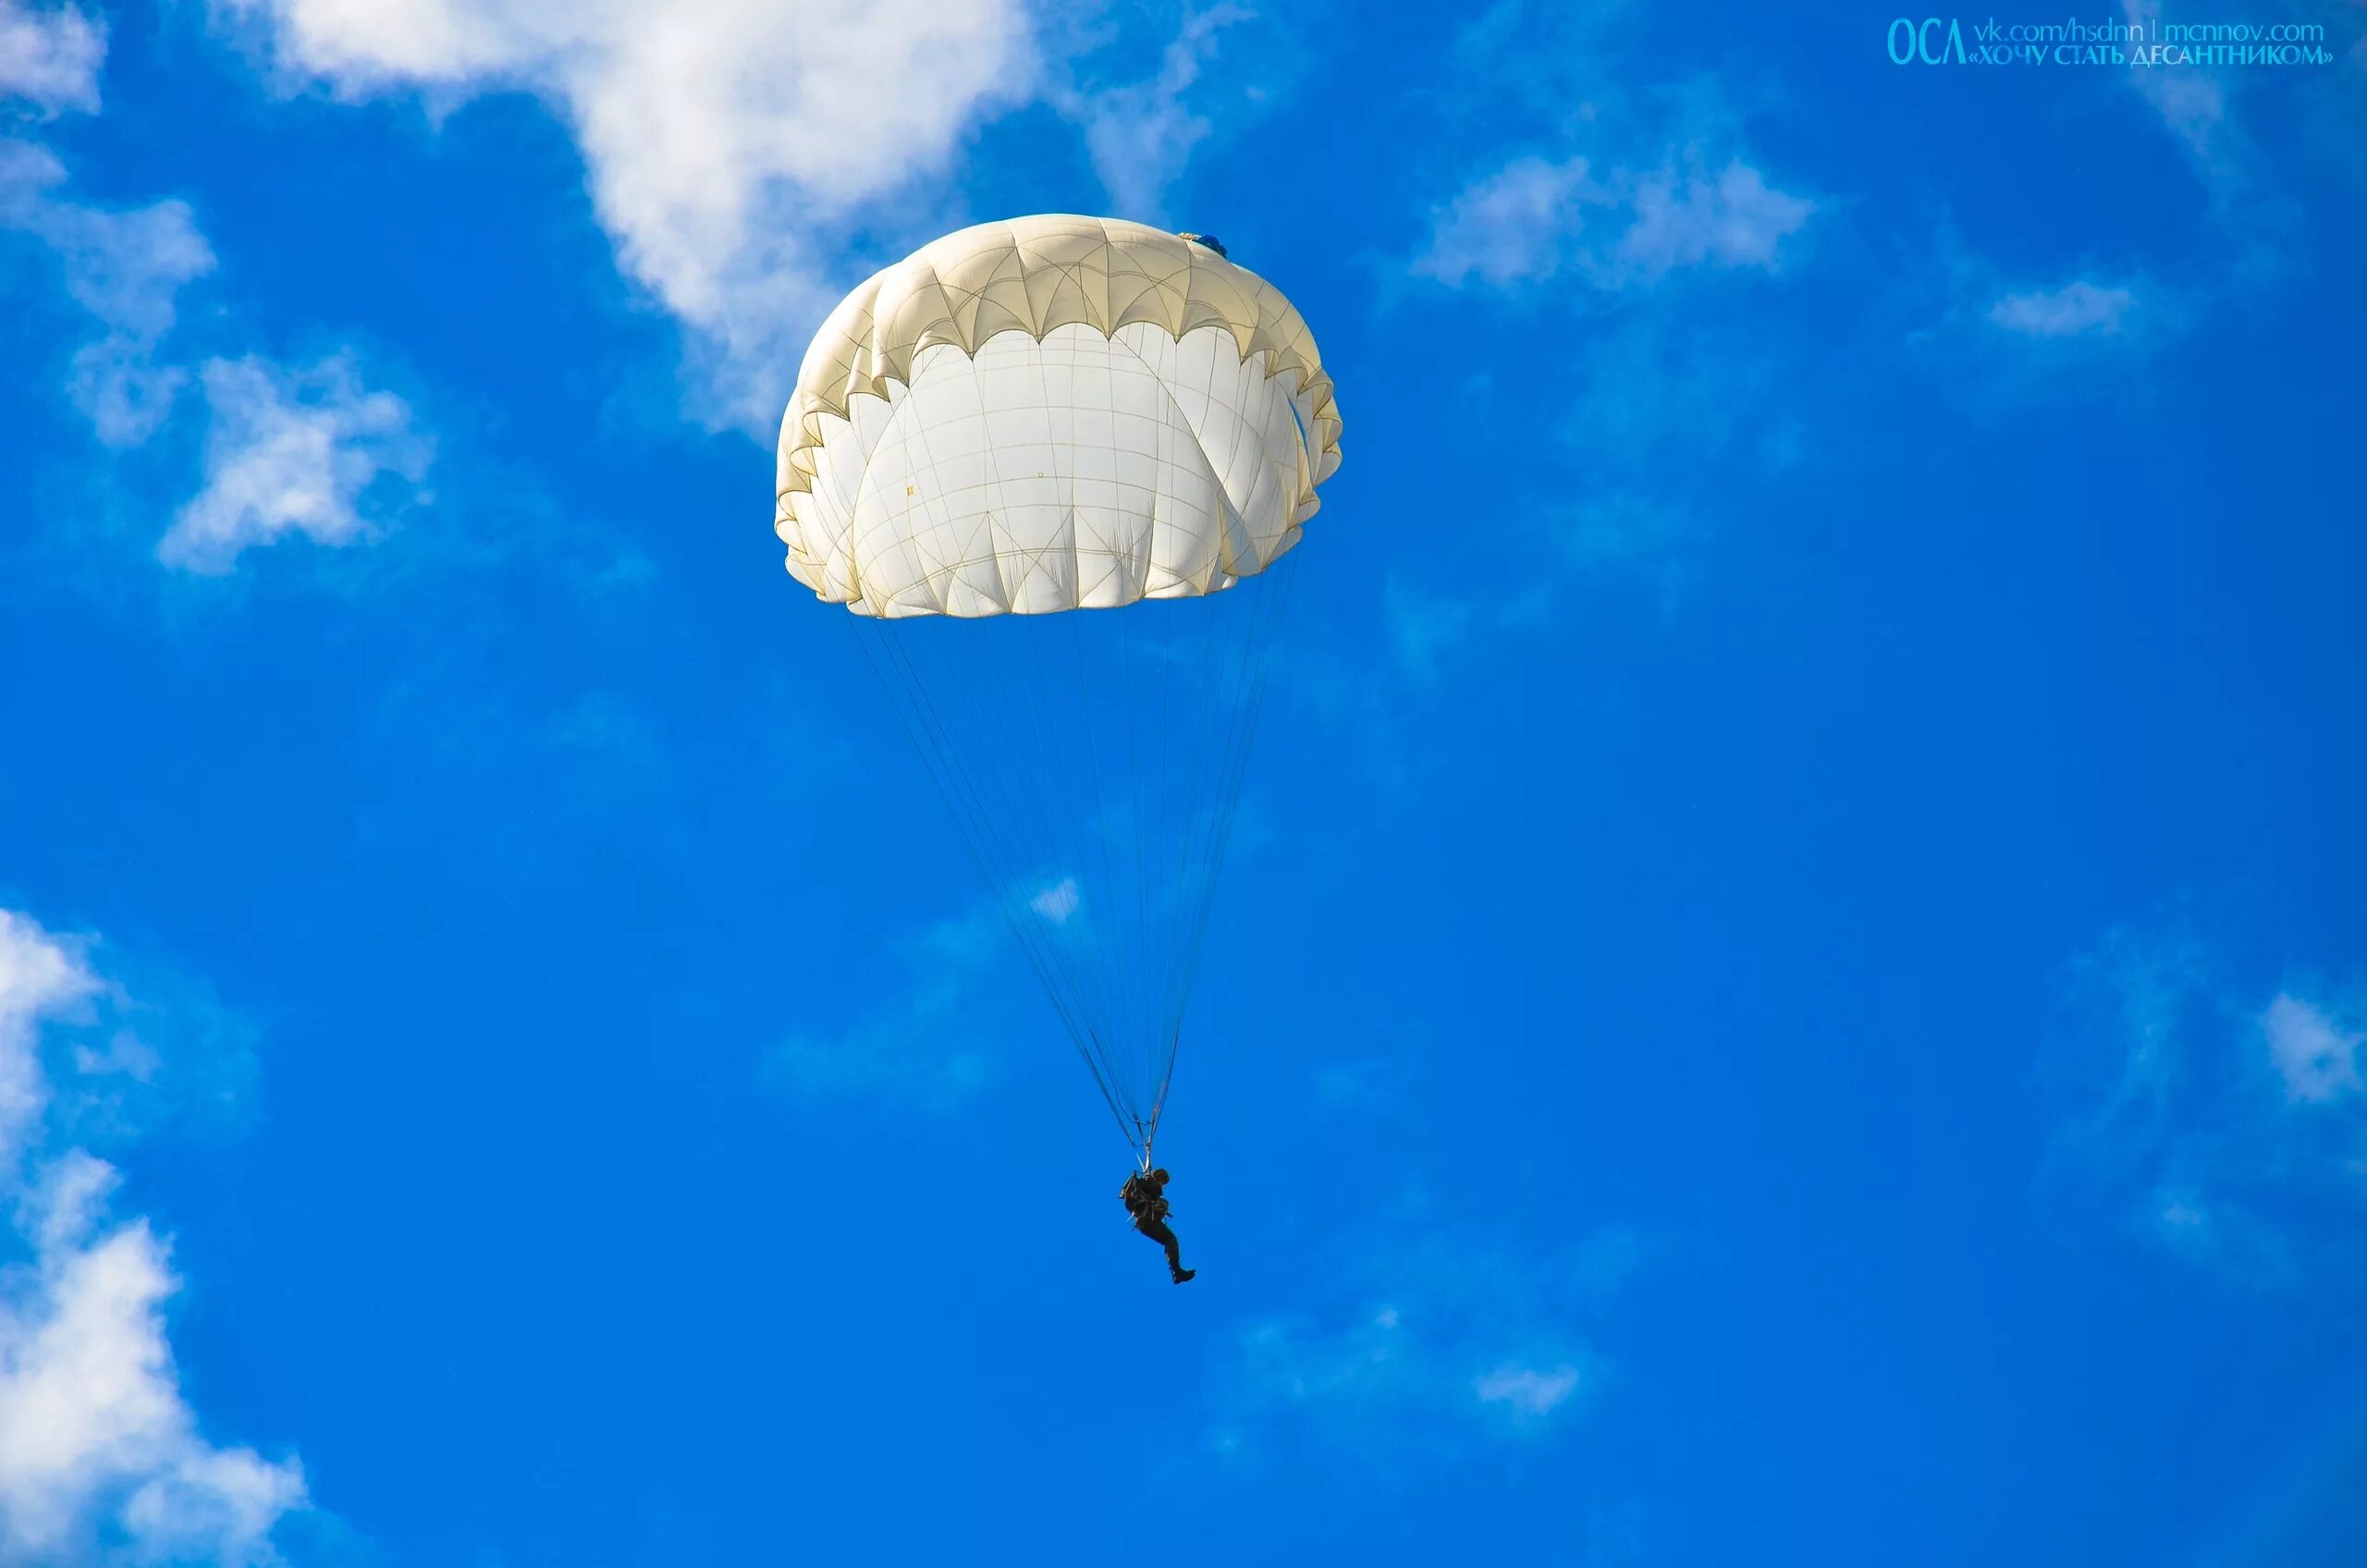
(1159, 1176)
(1207, 241)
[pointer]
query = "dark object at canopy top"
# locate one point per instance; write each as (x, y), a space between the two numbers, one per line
(1209, 240)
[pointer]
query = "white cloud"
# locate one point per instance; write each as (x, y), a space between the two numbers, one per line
(50, 58)
(1528, 1391)
(2002, 340)
(2262, 172)
(2075, 309)
(1512, 227)
(720, 135)
(1443, 1338)
(96, 1443)
(2232, 1132)
(125, 267)
(2191, 99)
(304, 452)
(1141, 134)
(40, 978)
(83, 1059)
(99, 1455)
(1535, 219)
(2317, 1058)
(1059, 901)
(921, 1043)
(1673, 419)
(1613, 186)
(1372, 1085)
(1425, 625)
(1695, 216)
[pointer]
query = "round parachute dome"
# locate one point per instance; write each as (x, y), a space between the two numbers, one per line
(1051, 413)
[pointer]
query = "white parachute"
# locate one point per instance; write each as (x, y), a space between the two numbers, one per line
(1058, 414)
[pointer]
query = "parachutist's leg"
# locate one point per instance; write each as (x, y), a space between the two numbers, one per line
(1158, 1232)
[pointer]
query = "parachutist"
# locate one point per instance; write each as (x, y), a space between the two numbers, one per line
(1145, 1196)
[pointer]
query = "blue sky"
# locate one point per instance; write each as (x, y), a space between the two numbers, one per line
(1810, 972)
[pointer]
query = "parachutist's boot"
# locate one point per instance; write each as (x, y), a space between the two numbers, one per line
(1183, 1274)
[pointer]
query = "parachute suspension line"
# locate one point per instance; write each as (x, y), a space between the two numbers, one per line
(1228, 670)
(917, 712)
(918, 720)
(945, 771)
(1006, 882)
(1159, 1104)
(1206, 705)
(1096, 817)
(1026, 743)
(1079, 926)
(1229, 793)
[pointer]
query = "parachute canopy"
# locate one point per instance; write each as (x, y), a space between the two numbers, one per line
(1055, 414)
(1051, 413)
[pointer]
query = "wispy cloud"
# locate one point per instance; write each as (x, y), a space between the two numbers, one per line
(2249, 160)
(2000, 340)
(40, 977)
(125, 267)
(311, 452)
(303, 450)
(2193, 104)
(1510, 226)
(2316, 1056)
(1625, 218)
(95, 1061)
(1532, 220)
(1528, 1391)
(50, 58)
(1368, 1084)
(1617, 178)
(2072, 310)
(1442, 1338)
(2009, 335)
(100, 1456)
(1425, 625)
(1141, 132)
(920, 1042)
(720, 139)
(1059, 901)
(2224, 1122)
(1699, 216)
